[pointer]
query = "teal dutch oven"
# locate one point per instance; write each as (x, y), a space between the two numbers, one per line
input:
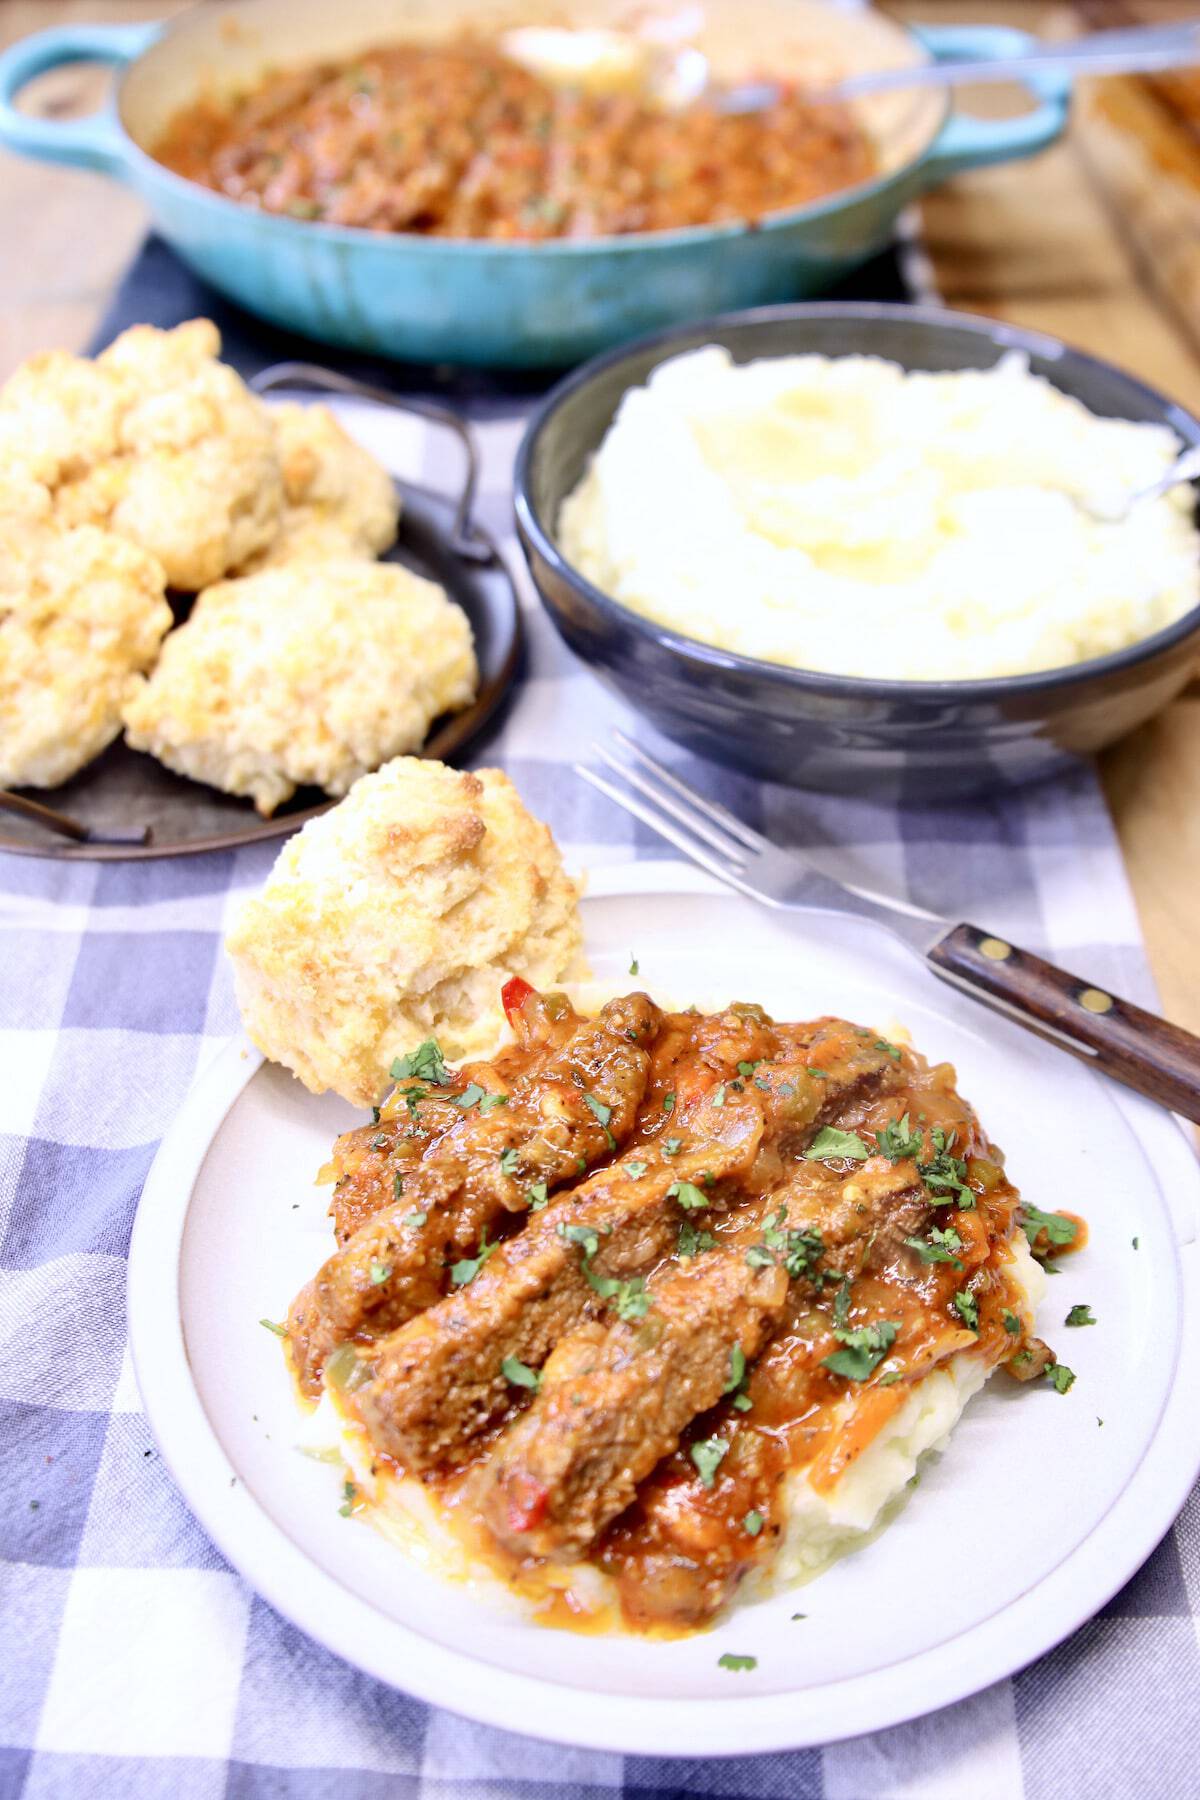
(516, 305)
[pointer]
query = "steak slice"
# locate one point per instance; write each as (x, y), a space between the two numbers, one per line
(365, 1160)
(439, 1381)
(613, 1402)
(577, 1106)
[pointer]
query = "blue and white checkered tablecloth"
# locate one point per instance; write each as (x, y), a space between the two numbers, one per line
(133, 1662)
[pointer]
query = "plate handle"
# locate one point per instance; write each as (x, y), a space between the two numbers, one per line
(1135, 1047)
(465, 540)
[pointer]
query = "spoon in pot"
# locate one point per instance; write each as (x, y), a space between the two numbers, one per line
(1141, 49)
(676, 74)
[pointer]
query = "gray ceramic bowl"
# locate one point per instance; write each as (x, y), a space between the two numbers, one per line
(887, 738)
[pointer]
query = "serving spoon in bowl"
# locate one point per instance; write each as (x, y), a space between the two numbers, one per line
(1108, 510)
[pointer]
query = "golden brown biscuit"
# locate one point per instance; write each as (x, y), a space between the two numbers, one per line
(307, 675)
(155, 440)
(339, 500)
(398, 916)
(81, 614)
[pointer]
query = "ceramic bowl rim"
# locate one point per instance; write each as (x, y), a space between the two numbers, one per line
(534, 532)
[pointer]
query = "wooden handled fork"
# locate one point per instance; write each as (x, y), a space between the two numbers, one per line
(1133, 1046)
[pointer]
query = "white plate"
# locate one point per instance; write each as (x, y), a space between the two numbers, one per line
(1035, 1515)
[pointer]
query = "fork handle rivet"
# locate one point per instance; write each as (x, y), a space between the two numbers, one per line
(995, 949)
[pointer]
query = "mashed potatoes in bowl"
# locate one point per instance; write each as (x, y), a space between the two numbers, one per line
(844, 515)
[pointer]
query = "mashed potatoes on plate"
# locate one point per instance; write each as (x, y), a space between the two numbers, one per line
(840, 514)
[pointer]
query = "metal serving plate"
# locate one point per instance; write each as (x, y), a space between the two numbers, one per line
(145, 811)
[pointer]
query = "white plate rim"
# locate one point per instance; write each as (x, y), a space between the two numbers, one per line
(316, 1602)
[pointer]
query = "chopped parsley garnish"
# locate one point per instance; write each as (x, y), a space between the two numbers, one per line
(688, 1195)
(508, 1161)
(753, 1522)
(635, 1170)
(425, 1063)
(1060, 1377)
(1058, 1229)
(939, 1247)
(818, 1075)
(520, 1374)
(380, 1142)
(668, 1103)
(1081, 1315)
(279, 1330)
(397, 1185)
(538, 1196)
(736, 1663)
(865, 1345)
(945, 1175)
(374, 1115)
(832, 1145)
(865, 1348)
(888, 1049)
(349, 1495)
(633, 965)
(898, 1141)
(692, 1241)
(718, 1098)
(474, 1095)
(708, 1455)
(890, 1377)
(632, 1299)
(602, 1112)
(379, 1273)
(746, 1069)
(1012, 1323)
(412, 1096)
(735, 1382)
(466, 1270)
(795, 1250)
(967, 1308)
(672, 1147)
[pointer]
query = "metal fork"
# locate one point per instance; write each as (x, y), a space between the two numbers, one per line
(1133, 1046)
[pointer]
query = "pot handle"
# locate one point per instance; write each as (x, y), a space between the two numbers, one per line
(965, 142)
(96, 142)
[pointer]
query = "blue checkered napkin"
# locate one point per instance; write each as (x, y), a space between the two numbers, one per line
(135, 1663)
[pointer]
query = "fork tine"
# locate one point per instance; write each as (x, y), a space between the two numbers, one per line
(712, 809)
(687, 816)
(722, 870)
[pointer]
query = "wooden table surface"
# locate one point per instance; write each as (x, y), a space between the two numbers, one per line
(1049, 244)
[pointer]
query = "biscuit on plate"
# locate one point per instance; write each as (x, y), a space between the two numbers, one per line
(307, 675)
(398, 916)
(155, 440)
(82, 613)
(338, 500)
